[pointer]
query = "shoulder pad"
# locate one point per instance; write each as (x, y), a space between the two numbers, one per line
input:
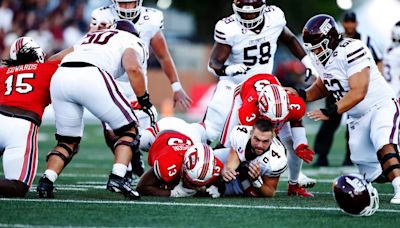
(277, 14)
(353, 50)
(153, 16)
(278, 159)
(225, 30)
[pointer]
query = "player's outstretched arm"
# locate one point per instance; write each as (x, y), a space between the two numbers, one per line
(134, 70)
(268, 188)
(149, 185)
(232, 162)
(219, 54)
(60, 55)
(159, 46)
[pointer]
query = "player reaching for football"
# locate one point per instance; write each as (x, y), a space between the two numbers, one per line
(254, 162)
(261, 96)
(24, 93)
(348, 71)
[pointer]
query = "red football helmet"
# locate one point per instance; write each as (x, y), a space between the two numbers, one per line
(321, 37)
(249, 13)
(355, 196)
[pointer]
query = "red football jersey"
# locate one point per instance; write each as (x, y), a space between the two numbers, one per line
(27, 86)
(166, 155)
(248, 112)
(217, 171)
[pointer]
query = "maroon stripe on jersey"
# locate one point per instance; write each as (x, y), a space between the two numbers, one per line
(220, 37)
(26, 155)
(219, 32)
(357, 57)
(396, 116)
(207, 156)
(355, 52)
(33, 166)
(116, 102)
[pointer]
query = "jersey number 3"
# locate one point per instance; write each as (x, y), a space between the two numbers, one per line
(20, 86)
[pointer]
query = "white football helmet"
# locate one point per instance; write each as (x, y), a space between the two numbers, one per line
(355, 196)
(249, 13)
(198, 165)
(396, 33)
(126, 13)
(273, 103)
(23, 45)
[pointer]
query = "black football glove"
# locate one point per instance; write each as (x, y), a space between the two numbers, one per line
(145, 106)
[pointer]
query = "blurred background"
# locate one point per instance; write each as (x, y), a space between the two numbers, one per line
(189, 25)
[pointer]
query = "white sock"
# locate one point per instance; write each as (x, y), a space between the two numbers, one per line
(396, 185)
(294, 162)
(129, 167)
(119, 169)
(51, 175)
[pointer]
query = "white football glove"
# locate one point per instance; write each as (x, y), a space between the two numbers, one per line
(258, 183)
(235, 69)
(180, 191)
(213, 191)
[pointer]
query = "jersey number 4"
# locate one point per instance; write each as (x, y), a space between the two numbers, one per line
(257, 53)
(20, 86)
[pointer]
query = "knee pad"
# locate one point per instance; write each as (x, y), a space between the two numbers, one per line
(134, 144)
(62, 142)
(383, 159)
(110, 140)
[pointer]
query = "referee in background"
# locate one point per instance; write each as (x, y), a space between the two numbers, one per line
(325, 135)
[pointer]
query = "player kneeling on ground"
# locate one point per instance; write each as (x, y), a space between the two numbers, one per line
(24, 93)
(255, 161)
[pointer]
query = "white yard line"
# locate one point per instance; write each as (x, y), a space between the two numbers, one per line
(186, 204)
(47, 226)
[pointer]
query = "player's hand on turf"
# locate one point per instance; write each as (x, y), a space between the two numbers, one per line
(182, 100)
(228, 174)
(180, 191)
(213, 191)
(304, 152)
(317, 115)
(254, 170)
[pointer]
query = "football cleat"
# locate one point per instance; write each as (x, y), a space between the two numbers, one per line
(118, 184)
(396, 198)
(137, 164)
(306, 182)
(297, 190)
(128, 177)
(45, 188)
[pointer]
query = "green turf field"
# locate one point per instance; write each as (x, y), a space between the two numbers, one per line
(82, 200)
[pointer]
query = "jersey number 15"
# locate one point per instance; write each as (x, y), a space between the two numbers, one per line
(20, 86)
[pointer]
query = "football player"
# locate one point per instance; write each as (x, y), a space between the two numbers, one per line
(149, 23)
(245, 45)
(391, 63)
(174, 147)
(261, 96)
(347, 69)
(86, 79)
(254, 162)
(24, 93)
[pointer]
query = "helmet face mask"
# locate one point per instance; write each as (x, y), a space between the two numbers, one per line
(249, 13)
(198, 166)
(128, 13)
(321, 37)
(355, 196)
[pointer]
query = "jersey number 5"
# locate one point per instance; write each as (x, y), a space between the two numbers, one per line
(251, 54)
(20, 86)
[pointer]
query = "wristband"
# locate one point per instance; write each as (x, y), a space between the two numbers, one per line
(330, 111)
(176, 86)
(302, 93)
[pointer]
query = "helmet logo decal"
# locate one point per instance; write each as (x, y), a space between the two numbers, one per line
(325, 27)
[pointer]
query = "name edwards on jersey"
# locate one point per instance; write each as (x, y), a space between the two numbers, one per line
(25, 67)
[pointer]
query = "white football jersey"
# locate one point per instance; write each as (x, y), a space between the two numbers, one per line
(105, 49)
(149, 23)
(273, 162)
(391, 68)
(350, 57)
(255, 50)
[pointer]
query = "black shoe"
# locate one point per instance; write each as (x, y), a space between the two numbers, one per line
(128, 177)
(45, 188)
(118, 184)
(137, 164)
(321, 162)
